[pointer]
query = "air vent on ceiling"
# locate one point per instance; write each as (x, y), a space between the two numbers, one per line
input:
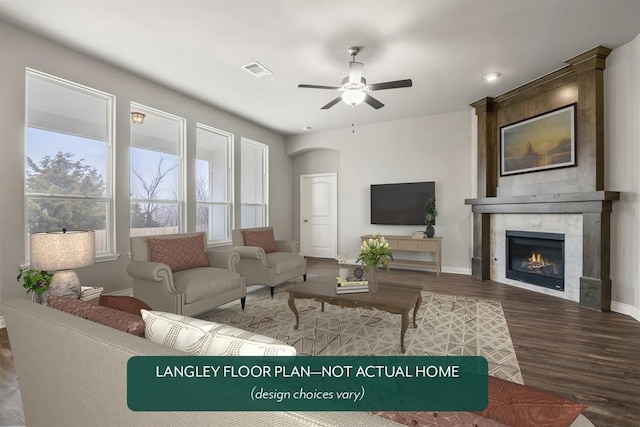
(256, 69)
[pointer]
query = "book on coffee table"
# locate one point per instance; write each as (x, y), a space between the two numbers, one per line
(351, 291)
(346, 286)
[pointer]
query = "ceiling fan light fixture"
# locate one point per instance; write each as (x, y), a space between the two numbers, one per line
(353, 97)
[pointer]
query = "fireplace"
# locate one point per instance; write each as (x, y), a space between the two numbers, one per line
(535, 258)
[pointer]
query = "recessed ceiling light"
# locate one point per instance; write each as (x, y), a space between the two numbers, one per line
(491, 76)
(307, 128)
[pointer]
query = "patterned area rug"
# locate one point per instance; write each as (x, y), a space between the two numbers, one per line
(447, 325)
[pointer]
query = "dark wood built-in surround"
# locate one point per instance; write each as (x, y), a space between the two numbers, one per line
(574, 190)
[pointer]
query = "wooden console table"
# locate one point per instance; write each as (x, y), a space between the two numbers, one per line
(409, 244)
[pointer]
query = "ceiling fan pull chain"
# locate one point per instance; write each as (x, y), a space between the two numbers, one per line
(353, 119)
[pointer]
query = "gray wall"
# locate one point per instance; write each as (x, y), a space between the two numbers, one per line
(21, 49)
(431, 148)
(622, 168)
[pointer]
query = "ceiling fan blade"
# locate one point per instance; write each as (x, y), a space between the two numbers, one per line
(373, 102)
(318, 87)
(391, 85)
(355, 71)
(332, 103)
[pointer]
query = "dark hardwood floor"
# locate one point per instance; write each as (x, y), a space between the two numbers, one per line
(583, 355)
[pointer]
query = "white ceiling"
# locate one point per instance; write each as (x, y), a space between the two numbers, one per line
(445, 46)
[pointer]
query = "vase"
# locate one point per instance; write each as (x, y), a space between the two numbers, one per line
(42, 298)
(430, 231)
(373, 278)
(343, 272)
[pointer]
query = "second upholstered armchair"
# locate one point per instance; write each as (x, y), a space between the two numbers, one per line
(266, 261)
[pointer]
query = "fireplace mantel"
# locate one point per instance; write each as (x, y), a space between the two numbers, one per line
(596, 201)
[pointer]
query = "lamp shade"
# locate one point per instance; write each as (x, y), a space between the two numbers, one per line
(62, 250)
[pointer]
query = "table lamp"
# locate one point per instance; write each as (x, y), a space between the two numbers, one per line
(60, 252)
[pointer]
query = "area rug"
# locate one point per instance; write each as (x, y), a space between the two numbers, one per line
(447, 326)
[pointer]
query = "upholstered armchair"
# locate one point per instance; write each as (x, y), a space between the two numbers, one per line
(175, 273)
(266, 261)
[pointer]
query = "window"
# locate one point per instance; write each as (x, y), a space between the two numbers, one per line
(156, 173)
(214, 183)
(69, 158)
(255, 184)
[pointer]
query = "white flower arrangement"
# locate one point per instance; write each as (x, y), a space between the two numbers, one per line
(375, 251)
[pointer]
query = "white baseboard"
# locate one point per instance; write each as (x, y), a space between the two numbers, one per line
(445, 269)
(2, 324)
(457, 270)
(627, 309)
(124, 292)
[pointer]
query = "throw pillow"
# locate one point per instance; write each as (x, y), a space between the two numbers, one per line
(202, 338)
(107, 316)
(260, 238)
(524, 406)
(181, 253)
(175, 331)
(230, 341)
(124, 303)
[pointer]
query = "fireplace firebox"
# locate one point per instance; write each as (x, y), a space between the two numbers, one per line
(536, 258)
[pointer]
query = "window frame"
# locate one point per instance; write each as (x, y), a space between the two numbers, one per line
(181, 153)
(265, 179)
(230, 203)
(110, 221)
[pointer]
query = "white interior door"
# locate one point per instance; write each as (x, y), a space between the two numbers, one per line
(319, 215)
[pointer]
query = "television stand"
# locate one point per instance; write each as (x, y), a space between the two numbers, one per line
(409, 244)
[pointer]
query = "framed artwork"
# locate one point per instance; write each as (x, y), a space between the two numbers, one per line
(547, 141)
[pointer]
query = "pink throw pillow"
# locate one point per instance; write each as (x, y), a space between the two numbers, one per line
(260, 238)
(116, 319)
(127, 304)
(523, 406)
(181, 253)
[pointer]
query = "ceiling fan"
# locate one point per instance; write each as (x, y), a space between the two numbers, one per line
(354, 87)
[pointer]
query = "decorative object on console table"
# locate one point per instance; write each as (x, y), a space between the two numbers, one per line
(373, 252)
(37, 283)
(430, 218)
(61, 252)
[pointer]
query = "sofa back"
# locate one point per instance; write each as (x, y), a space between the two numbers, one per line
(73, 372)
(236, 235)
(140, 247)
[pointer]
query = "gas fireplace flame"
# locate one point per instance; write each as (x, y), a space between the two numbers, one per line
(537, 261)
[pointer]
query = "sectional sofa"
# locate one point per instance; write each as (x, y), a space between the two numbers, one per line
(73, 372)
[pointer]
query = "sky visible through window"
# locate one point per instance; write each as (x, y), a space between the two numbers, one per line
(147, 164)
(91, 152)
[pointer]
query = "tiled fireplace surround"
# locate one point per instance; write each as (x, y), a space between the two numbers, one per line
(572, 201)
(570, 225)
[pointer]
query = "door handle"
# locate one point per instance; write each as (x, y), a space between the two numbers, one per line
(306, 220)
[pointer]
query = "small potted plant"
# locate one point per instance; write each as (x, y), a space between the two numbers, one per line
(35, 282)
(343, 263)
(430, 218)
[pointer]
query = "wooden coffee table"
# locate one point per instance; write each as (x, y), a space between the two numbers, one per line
(392, 298)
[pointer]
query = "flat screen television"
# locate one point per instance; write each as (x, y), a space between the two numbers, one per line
(401, 204)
